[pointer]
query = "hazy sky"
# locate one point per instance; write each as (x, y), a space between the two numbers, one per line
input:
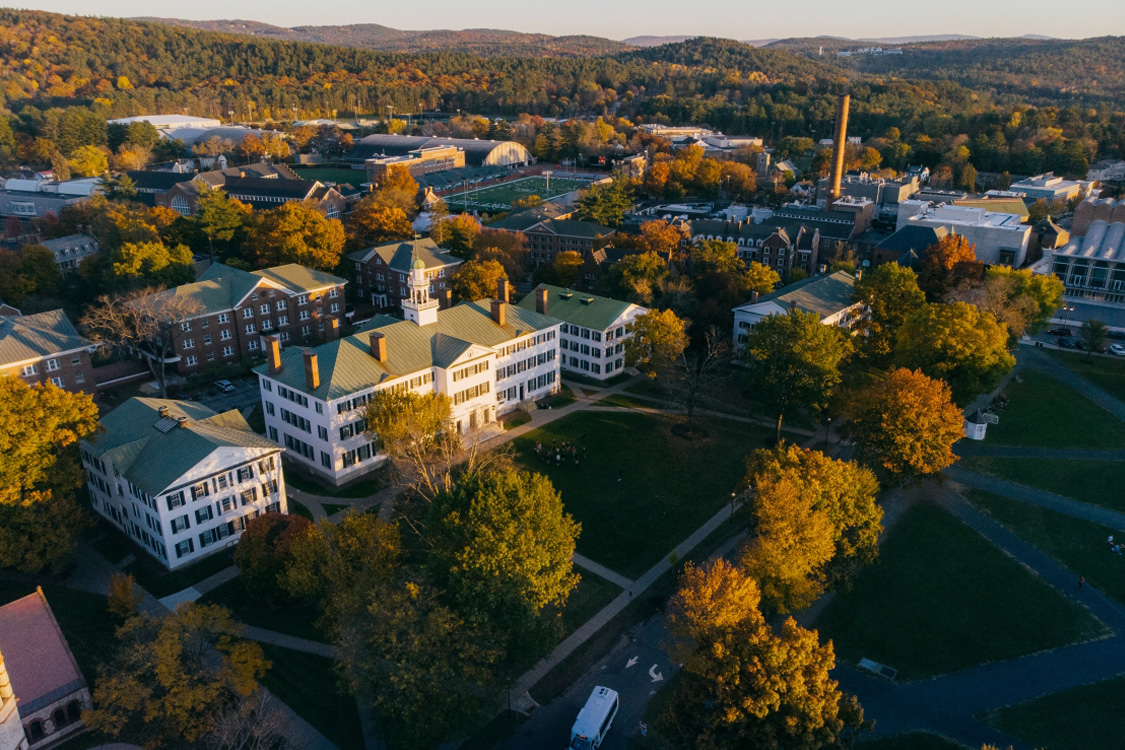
(749, 19)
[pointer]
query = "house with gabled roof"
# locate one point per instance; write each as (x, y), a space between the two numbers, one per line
(46, 348)
(383, 271)
(593, 332)
(830, 297)
(236, 308)
(487, 356)
(179, 479)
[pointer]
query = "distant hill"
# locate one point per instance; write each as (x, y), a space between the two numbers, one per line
(485, 42)
(654, 41)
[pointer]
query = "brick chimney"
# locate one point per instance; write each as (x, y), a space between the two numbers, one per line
(498, 312)
(273, 353)
(312, 371)
(541, 300)
(378, 346)
(445, 298)
(502, 290)
(753, 297)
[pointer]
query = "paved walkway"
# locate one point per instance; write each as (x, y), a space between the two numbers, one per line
(289, 641)
(1032, 496)
(601, 570)
(973, 448)
(1039, 360)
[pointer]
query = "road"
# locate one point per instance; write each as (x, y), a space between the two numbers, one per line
(549, 726)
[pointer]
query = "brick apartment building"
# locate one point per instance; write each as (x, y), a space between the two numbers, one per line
(46, 348)
(548, 238)
(382, 272)
(237, 308)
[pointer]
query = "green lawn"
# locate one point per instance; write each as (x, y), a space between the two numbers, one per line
(83, 617)
(565, 397)
(1094, 482)
(1080, 719)
(911, 741)
(308, 684)
(160, 582)
(1108, 374)
(1077, 544)
(628, 402)
(361, 488)
(500, 197)
(940, 598)
(1044, 412)
(591, 596)
(354, 177)
(292, 619)
(668, 486)
(516, 419)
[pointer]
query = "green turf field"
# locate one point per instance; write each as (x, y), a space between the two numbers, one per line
(493, 198)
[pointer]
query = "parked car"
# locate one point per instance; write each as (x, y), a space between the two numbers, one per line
(1116, 335)
(1117, 349)
(1067, 344)
(1060, 331)
(225, 386)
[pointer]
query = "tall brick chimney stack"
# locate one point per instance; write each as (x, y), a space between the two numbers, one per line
(839, 147)
(273, 353)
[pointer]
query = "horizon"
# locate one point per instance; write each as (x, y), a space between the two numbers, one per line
(829, 19)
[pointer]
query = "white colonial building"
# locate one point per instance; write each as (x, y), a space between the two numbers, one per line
(180, 479)
(487, 356)
(830, 297)
(593, 329)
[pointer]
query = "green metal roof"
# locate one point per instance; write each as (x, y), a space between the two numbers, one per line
(403, 256)
(823, 295)
(574, 228)
(155, 457)
(346, 366)
(221, 287)
(41, 335)
(599, 313)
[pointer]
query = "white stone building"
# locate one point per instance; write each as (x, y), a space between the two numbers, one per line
(179, 479)
(487, 356)
(998, 238)
(829, 297)
(593, 333)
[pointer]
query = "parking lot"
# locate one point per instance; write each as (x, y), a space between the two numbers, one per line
(245, 395)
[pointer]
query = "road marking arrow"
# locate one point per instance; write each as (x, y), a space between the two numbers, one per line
(656, 676)
(632, 662)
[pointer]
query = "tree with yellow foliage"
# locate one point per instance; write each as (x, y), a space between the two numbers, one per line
(945, 264)
(295, 233)
(655, 341)
(88, 161)
(371, 223)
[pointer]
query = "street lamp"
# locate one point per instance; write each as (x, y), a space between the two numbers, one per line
(1067, 310)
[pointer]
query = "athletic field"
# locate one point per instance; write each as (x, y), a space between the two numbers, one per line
(493, 198)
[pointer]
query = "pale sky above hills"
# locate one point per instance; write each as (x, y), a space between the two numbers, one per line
(753, 19)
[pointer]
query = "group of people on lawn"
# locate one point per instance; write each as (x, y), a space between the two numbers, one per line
(1115, 547)
(560, 452)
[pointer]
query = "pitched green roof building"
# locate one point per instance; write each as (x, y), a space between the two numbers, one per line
(46, 348)
(180, 479)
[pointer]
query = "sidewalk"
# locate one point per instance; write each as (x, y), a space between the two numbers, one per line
(1032, 496)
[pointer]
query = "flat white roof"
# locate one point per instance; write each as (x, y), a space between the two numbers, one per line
(163, 121)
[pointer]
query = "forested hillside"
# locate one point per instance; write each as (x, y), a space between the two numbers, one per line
(485, 42)
(60, 73)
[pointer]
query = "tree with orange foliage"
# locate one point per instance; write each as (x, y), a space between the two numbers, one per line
(662, 238)
(370, 223)
(905, 423)
(945, 264)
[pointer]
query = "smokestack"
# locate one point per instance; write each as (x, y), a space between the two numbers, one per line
(839, 143)
(273, 353)
(498, 311)
(378, 346)
(312, 371)
(541, 301)
(445, 298)
(502, 290)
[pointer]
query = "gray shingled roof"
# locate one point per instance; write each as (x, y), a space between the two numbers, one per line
(222, 287)
(400, 256)
(599, 313)
(346, 366)
(154, 459)
(34, 336)
(823, 295)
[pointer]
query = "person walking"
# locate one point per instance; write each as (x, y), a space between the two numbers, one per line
(1081, 582)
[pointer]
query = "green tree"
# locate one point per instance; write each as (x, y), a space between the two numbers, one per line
(567, 265)
(794, 361)
(40, 427)
(144, 263)
(605, 204)
(171, 677)
(502, 554)
(220, 218)
(38, 271)
(457, 234)
(263, 552)
(473, 280)
(295, 233)
(1094, 334)
(636, 277)
(655, 340)
(957, 343)
(888, 293)
(906, 423)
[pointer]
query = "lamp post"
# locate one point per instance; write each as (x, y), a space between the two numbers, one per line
(1067, 310)
(827, 428)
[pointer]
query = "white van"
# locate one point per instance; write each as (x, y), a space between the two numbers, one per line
(594, 720)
